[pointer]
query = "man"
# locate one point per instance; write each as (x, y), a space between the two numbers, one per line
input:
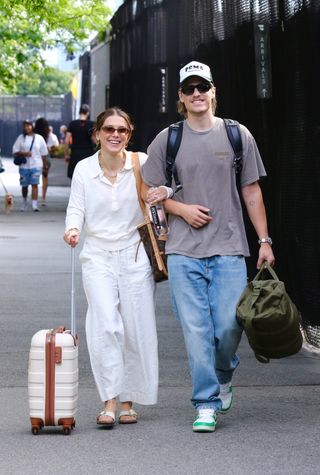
(79, 142)
(33, 147)
(207, 243)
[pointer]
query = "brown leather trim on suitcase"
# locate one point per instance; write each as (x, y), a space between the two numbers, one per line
(59, 330)
(58, 355)
(50, 378)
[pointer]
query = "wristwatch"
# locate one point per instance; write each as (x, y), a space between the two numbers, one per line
(265, 239)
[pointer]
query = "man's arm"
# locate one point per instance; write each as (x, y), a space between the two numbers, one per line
(195, 215)
(252, 197)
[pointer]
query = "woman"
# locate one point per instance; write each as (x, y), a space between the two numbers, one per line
(117, 278)
(43, 128)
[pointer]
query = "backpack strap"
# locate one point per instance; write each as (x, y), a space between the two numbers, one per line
(174, 141)
(173, 144)
(234, 136)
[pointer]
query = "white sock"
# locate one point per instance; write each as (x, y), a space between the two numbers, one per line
(34, 204)
(25, 200)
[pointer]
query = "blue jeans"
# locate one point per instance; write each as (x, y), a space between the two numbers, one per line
(205, 293)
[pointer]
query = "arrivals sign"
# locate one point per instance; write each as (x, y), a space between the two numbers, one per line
(263, 60)
(163, 106)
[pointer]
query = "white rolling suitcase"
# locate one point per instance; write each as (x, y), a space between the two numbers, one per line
(53, 374)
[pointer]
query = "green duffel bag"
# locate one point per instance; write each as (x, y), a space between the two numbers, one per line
(269, 317)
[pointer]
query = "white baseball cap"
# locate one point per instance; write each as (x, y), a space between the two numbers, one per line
(195, 69)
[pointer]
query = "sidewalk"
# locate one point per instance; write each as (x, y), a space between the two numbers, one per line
(272, 429)
(58, 189)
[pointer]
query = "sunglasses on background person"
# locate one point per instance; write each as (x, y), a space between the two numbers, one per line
(202, 87)
(108, 129)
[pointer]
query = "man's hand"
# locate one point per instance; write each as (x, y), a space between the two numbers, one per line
(195, 215)
(265, 254)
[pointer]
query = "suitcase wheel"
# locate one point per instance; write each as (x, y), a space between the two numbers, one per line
(36, 425)
(67, 425)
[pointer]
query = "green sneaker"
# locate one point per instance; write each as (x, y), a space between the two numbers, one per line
(206, 420)
(226, 396)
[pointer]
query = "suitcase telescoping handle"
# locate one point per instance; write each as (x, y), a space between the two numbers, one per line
(73, 303)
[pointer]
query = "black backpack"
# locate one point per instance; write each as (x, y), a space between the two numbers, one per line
(174, 141)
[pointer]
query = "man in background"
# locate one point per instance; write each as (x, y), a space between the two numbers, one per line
(79, 142)
(33, 148)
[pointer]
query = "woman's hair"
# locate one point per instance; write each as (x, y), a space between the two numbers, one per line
(181, 108)
(42, 128)
(109, 113)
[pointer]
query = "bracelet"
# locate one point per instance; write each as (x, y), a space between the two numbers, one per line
(169, 191)
(265, 239)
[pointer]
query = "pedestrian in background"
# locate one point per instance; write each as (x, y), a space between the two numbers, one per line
(33, 147)
(43, 128)
(117, 277)
(63, 132)
(79, 141)
(207, 243)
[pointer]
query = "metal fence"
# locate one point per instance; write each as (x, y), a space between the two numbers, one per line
(15, 109)
(267, 79)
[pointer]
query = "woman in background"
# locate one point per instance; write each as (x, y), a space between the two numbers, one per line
(43, 128)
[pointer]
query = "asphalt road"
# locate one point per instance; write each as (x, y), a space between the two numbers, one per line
(273, 427)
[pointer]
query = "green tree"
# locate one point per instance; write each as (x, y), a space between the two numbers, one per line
(27, 27)
(47, 82)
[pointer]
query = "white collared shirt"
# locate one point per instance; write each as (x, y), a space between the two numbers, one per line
(109, 212)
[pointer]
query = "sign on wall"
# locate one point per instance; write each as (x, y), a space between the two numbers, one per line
(263, 60)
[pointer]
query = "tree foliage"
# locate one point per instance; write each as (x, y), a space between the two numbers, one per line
(27, 27)
(47, 82)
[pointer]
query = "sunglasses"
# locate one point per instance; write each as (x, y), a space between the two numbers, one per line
(189, 89)
(108, 129)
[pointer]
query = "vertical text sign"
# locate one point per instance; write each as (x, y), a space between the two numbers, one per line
(263, 60)
(163, 106)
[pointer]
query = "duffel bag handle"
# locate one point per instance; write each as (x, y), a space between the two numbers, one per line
(266, 266)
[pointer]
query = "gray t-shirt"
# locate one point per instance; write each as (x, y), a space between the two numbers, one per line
(204, 165)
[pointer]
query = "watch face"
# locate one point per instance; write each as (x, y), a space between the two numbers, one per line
(267, 239)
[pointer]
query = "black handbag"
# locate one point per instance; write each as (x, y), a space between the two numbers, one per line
(154, 247)
(19, 160)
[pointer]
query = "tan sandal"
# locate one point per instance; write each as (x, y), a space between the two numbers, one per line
(109, 423)
(128, 417)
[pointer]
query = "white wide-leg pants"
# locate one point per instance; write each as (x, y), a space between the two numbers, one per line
(120, 323)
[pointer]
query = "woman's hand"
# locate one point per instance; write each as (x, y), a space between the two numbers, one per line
(155, 195)
(72, 237)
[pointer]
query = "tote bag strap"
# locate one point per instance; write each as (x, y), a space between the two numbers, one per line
(137, 175)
